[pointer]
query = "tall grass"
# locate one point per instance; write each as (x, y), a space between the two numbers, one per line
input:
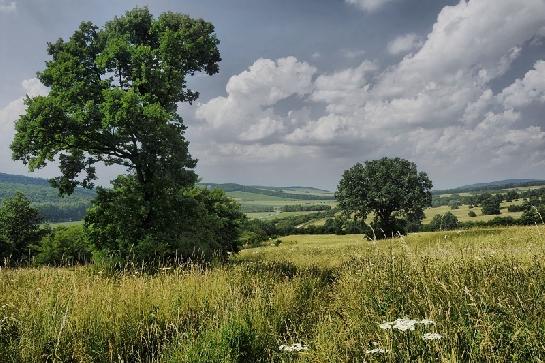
(484, 289)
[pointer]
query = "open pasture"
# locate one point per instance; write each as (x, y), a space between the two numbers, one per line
(479, 293)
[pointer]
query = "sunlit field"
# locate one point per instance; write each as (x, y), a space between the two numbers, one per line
(462, 212)
(474, 295)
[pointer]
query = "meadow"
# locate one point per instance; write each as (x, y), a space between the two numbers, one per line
(475, 295)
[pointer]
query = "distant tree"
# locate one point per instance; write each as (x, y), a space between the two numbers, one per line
(436, 222)
(19, 228)
(532, 215)
(490, 205)
(391, 188)
(511, 195)
(450, 221)
(454, 204)
(444, 222)
(472, 214)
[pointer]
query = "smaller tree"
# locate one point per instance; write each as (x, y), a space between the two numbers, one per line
(19, 228)
(454, 204)
(444, 222)
(491, 205)
(391, 188)
(532, 215)
(511, 196)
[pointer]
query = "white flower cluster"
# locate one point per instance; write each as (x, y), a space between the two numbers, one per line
(376, 351)
(405, 324)
(431, 336)
(297, 347)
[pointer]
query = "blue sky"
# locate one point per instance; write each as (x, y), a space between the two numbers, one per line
(309, 87)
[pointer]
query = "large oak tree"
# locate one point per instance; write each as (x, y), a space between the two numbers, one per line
(390, 188)
(114, 93)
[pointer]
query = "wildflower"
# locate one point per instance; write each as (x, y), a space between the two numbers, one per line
(386, 325)
(405, 324)
(376, 351)
(297, 347)
(431, 336)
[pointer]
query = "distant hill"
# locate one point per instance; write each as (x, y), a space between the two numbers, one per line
(24, 180)
(294, 193)
(46, 198)
(494, 185)
(73, 207)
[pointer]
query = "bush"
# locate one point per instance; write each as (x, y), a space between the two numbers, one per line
(191, 224)
(64, 246)
(472, 214)
(516, 208)
(454, 204)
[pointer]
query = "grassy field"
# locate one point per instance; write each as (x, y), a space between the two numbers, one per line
(483, 289)
(275, 215)
(461, 213)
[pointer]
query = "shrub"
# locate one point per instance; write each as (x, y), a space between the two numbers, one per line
(196, 224)
(472, 214)
(516, 208)
(454, 204)
(64, 246)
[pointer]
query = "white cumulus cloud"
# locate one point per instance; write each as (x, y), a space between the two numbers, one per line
(10, 113)
(404, 44)
(435, 106)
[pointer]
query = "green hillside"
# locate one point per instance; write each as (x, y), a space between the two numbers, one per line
(46, 198)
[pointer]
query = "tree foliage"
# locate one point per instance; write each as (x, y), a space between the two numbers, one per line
(193, 223)
(19, 228)
(391, 188)
(490, 204)
(64, 246)
(113, 99)
(444, 222)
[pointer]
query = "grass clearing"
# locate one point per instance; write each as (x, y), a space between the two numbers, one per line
(483, 288)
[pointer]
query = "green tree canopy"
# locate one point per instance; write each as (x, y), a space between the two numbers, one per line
(444, 222)
(113, 99)
(391, 188)
(19, 228)
(490, 204)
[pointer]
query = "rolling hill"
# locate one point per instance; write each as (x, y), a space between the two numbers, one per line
(492, 186)
(257, 201)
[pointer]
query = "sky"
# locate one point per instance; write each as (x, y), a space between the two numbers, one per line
(307, 88)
